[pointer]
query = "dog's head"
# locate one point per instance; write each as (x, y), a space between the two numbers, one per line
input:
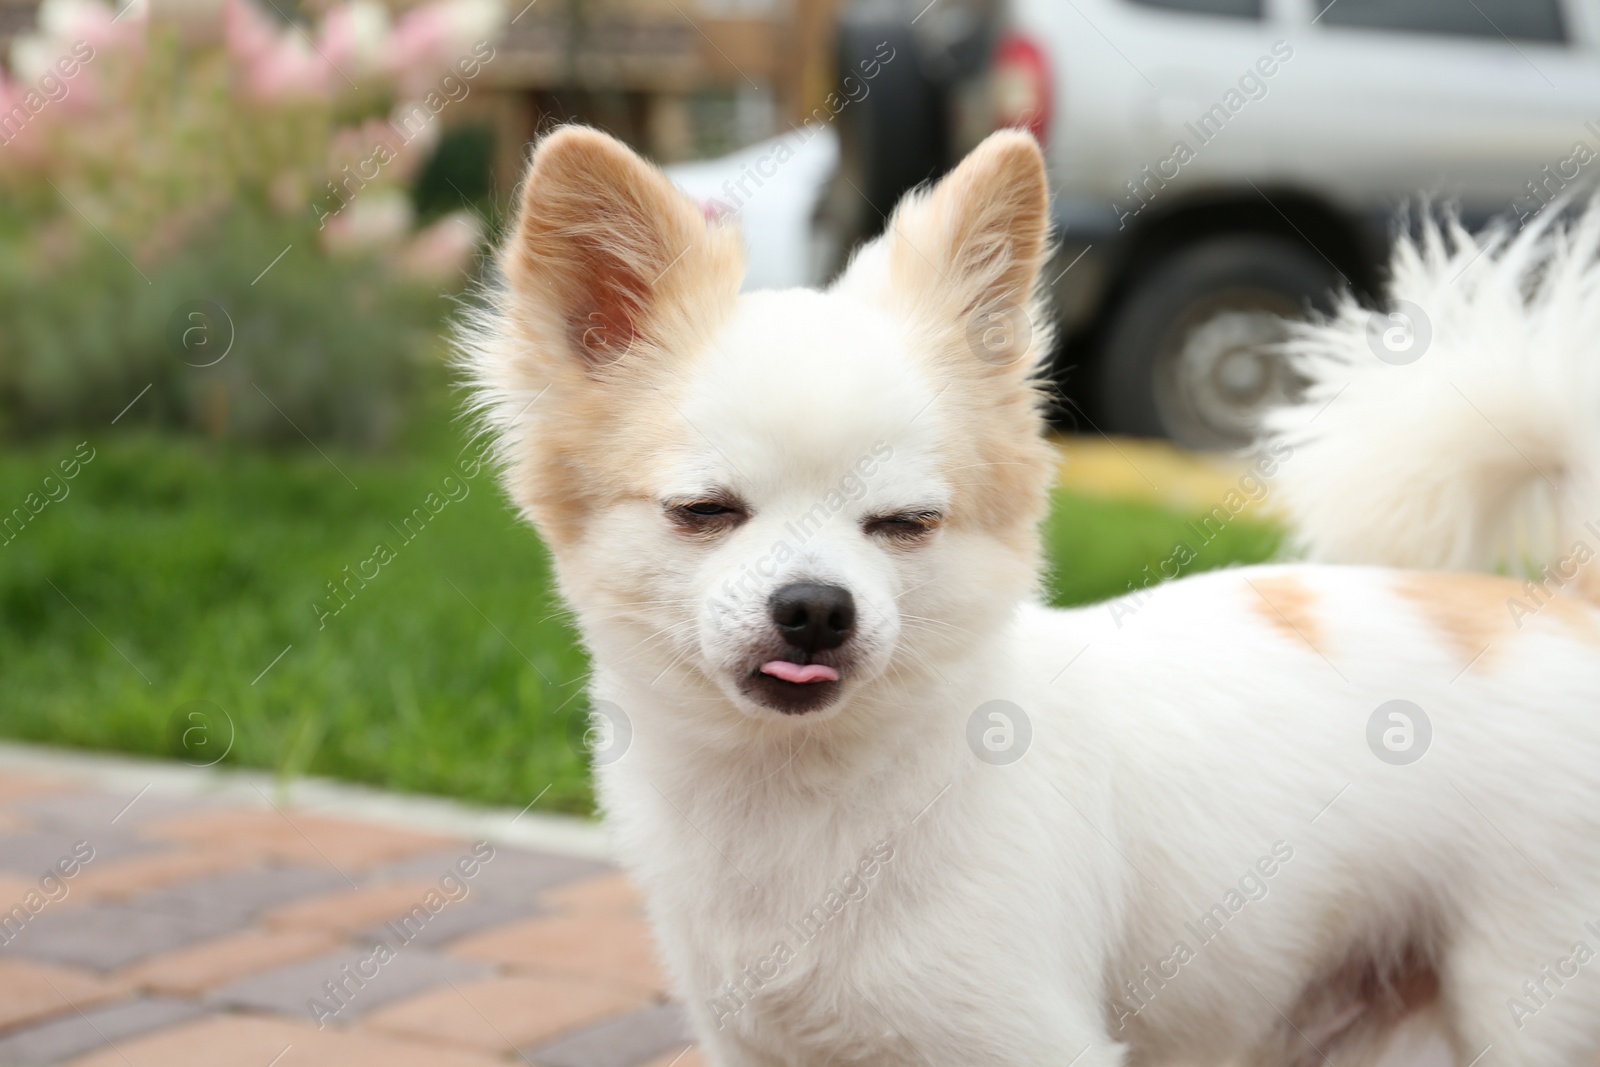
(781, 497)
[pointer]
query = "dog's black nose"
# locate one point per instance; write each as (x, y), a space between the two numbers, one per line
(812, 617)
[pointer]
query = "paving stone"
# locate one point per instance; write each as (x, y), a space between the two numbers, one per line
(76, 1034)
(37, 851)
(106, 936)
(87, 813)
(210, 964)
(456, 921)
(612, 893)
(595, 945)
(243, 1041)
(351, 909)
(14, 786)
(625, 1042)
(31, 991)
(236, 896)
(503, 1014)
(124, 878)
(14, 889)
(290, 836)
(513, 874)
(288, 990)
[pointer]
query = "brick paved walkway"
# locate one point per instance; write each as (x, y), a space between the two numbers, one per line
(179, 932)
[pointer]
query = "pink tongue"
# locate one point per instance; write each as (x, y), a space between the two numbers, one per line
(794, 672)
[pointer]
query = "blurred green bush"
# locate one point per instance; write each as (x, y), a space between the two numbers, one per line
(223, 227)
(330, 348)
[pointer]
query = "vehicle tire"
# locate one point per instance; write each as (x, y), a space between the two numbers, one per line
(1188, 353)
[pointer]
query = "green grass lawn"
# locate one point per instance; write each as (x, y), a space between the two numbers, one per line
(149, 611)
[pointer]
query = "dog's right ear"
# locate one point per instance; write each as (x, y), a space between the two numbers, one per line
(964, 257)
(608, 261)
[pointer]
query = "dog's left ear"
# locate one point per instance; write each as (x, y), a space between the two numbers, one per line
(968, 253)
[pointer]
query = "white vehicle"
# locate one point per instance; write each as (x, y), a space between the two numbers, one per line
(1216, 159)
(771, 188)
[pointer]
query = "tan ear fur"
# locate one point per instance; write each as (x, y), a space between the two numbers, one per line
(608, 249)
(973, 245)
(613, 282)
(960, 264)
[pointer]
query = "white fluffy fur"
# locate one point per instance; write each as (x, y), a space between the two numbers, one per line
(1200, 740)
(1484, 452)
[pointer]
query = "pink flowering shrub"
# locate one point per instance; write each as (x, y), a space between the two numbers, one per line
(258, 167)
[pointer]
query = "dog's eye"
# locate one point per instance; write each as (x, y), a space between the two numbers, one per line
(697, 516)
(905, 526)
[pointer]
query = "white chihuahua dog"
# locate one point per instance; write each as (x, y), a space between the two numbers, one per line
(888, 809)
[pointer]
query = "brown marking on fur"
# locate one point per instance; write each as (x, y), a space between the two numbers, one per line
(1587, 585)
(1468, 609)
(1577, 615)
(1478, 612)
(1288, 605)
(1355, 1007)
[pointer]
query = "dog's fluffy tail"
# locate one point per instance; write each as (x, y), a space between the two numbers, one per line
(1460, 428)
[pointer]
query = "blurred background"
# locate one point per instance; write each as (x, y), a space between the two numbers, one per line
(244, 528)
(241, 522)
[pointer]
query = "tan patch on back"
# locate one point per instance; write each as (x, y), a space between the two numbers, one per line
(1469, 610)
(1477, 612)
(1586, 585)
(1571, 607)
(1288, 605)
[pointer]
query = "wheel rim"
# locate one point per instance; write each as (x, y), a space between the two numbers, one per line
(1219, 369)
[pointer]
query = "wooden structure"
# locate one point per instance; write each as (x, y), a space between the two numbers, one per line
(638, 67)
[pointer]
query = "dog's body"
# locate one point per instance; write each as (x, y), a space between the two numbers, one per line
(1166, 762)
(798, 530)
